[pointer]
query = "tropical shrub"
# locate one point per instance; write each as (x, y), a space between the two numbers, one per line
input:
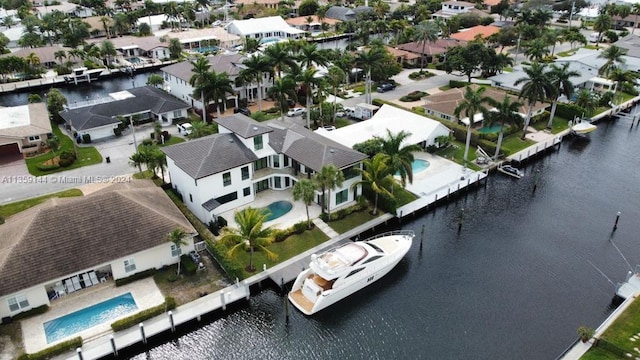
(66, 158)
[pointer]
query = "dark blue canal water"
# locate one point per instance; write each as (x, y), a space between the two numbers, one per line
(515, 283)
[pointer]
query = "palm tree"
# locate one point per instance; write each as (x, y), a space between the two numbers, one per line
(329, 178)
(178, 237)
(200, 129)
(602, 23)
(379, 175)
(507, 112)
(305, 190)
(59, 55)
(635, 10)
(199, 70)
(54, 143)
(249, 233)
(335, 78)
(309, 56)
(368, 60)
(426, 32)
(309, 80)
(586, 100)
(283, 89)
(537, 87)
(215, 86)
(613, 55)
(400, 157)
(137, 159)
(622, 77)
(108, 50)
(536, 49)
(560, 80)
(279, 58)
(256, 66)
(471, 104)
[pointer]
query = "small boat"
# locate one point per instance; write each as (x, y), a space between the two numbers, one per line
(583, 128)
(511, 171)
(341, 271)
(83, 74)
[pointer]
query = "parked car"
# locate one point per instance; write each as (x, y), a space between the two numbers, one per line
(340, 114)
(243, 111)
(184, 129)
(291, 103)
(295, 112)
(386, 87)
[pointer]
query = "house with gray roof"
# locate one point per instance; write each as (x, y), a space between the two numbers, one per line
(24, 129)
(346, 14)
(224, 171)
(100, 118)
(66, 245)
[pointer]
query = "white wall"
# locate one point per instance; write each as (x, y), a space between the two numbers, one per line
(101, 132)
(156, 257)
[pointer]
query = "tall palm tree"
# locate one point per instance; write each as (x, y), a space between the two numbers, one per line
(309, 80)
(249, 233)
(215, 87)
(586, 100)
(199, 70)
(178, 237)
(378, 174)
(283, 89)
(367, 61)
(471, 104)
(200, 129)
(305, 190)
(536, 49)
(137, 159)
(560, 79)
(621, 77)
(507, 112)
(537, 87)
(602, 23)
(329, 178)
(280, 59)
(310, 56)
(613, 55)
(400, 157)
(108, 50)
(59, 55)
(256, 65)
(335, 78)
(426, 32)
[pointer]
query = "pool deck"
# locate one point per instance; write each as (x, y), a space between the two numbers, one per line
(145, 293)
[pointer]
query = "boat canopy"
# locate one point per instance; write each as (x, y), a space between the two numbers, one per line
(333, 262)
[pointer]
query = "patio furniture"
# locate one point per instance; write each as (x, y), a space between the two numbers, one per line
(69, 286)
(76, 282)
(87, 280)
(93, 277)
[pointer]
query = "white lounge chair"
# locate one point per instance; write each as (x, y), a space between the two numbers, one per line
(76, 282)
(94, 278)
(69, 286)
(86, 279)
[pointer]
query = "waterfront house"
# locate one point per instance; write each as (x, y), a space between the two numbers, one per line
(99, 118)
(424, 131)
(225, 171)
(430, 50)
(46, 54)
(443, 104)
(470, 34)
(403, 57)
(264, 28)
(176, 78)
(67, 8)
(65, 245)
(315, 26)
(24, 129)
(205, 39)
(453, 8)
(268, 4)
(133, 46)
(343, 13)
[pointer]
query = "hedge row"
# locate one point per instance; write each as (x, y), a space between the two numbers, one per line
(31, 312)
(297, 228)
(136, 276)
(342, 213)
(48, 353)
(135, 319)
(232, 267)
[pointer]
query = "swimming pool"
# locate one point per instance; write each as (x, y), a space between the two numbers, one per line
(417, 166)
(89, 317)
(277, 209)
(489, 130)
(206, 49)
(134, 60)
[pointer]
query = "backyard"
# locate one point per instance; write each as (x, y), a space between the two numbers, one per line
(620, 339)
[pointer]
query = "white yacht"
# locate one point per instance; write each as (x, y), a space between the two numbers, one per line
(342, 271)
(83, 74)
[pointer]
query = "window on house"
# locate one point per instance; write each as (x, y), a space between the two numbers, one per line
(18, 302)
(226, 179)
(260, 164)
(257, 142)
(34, 138)
(246, 191)
(175, 250)
(277, 182)
(190, 197)
(276, 161)
(245, 173)
(129, 265)
(177, 114)
(342, 196)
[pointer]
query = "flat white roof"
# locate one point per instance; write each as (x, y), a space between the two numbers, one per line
(121, 95)
(391, 118)
(15, 116)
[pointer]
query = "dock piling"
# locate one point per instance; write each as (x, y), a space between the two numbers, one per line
(222, 300)
(144, 337)
(421, 236)
(460, 220)
(615, 225)
(113, 345)
(79, 351)
(171, 322)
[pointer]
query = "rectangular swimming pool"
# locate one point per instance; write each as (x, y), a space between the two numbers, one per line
(89, 317)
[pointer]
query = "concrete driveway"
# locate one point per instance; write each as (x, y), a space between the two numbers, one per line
(13, 165)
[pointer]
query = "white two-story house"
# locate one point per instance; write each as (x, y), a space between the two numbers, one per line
(221, 172)
(453, 8)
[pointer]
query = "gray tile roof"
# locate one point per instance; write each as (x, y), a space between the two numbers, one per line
(243, 125)
(210, 155)
(311, 149)
(147, 98)
(219, 63)
(340, 13)
(64, 236)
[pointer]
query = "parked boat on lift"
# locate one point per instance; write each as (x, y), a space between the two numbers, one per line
(340, 272)
(82, 75)
(510, 170)
(581, 127)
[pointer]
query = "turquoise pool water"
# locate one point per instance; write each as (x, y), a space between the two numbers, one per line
(418, 165)
(134, 60)
(277, 209)
(206, 49)
(89, 317)
(490, 130)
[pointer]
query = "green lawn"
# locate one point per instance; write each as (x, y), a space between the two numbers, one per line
(87, 155)
(16, 207)
(353, 220)
(173, 140)
(566, 53)
(512, 144)
(599, 354)
(619, 333)
(557, 125)
(341, 122)
(455, 152)
(403, 196)
(286, 249)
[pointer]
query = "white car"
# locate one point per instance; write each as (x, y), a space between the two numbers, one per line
(184, 129)
(295, 112)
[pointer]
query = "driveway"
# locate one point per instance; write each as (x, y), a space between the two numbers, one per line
(13, 165)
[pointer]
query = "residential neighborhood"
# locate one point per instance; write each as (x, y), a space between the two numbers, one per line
(266, 134)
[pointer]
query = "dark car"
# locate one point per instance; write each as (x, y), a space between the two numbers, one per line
(386, 87)
(243, 111)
